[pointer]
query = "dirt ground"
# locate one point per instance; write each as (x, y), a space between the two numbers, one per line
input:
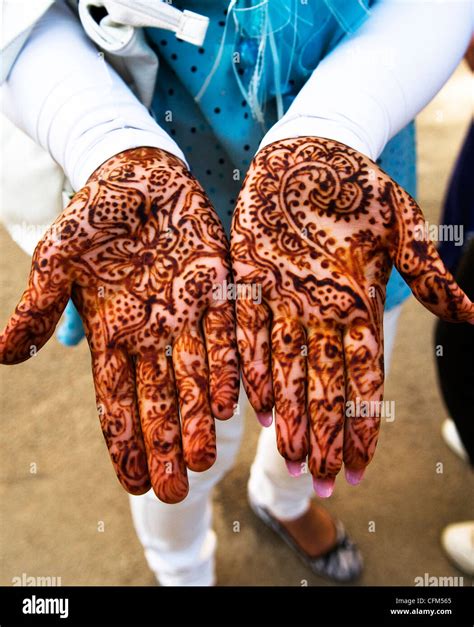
(51, 520)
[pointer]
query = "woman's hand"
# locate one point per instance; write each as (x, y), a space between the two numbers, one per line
(317, 228)
(141, 250)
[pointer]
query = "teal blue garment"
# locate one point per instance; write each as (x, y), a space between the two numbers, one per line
(70, 331)
(219, 100)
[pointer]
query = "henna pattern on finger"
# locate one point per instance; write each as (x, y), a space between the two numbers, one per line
(318, 226)
(160, 425)
(289, 388)
(326, 400)
(192, 380)
(114, 378)
(140, 250)
(418, 261)
(40, 307)
(254, 346)
(221, 346)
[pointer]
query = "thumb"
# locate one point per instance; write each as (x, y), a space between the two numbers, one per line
(36, 315)
(419, 263)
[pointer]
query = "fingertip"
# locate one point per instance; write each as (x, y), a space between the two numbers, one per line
(294, 468)
(136, 485)
(201, 460)
(324, 487)
(171, 497)
(171, 487)
(354, 477)
(265, 418)
(137, 490)
(221, 412)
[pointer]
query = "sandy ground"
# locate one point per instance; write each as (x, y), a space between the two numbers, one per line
(51, 520)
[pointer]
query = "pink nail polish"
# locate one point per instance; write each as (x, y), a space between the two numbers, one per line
(354, 477)
(294, 468)
(265, 418)
(324, 487)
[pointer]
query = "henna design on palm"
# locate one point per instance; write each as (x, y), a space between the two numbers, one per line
(140, 249)
(318, 226)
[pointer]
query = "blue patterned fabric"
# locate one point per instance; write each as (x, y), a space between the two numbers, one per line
(218, 101)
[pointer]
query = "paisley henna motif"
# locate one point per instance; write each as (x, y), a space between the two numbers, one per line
(318, 226)
(140, 249)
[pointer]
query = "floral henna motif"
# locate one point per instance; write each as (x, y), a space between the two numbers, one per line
(140, 250)
(318, 226)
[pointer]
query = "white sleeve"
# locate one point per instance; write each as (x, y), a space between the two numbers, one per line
(378, 79)
(64, 95)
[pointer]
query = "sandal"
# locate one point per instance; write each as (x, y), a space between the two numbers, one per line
(342, 563)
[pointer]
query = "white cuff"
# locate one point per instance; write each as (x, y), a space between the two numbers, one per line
(305, 125)
(117, 141)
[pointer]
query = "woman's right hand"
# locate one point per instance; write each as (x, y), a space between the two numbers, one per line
(140, 250)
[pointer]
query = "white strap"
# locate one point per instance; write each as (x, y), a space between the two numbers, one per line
(117, 28)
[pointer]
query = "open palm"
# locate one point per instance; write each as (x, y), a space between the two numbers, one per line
(140, 250)
(318, 227)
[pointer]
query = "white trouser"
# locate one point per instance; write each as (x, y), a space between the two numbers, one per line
(179, 541)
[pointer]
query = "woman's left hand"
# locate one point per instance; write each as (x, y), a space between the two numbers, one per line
(316, 230)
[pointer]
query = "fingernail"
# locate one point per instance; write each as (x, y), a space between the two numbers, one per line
(354, 477)
(324, 487)
(265, 418)
(294, 468)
